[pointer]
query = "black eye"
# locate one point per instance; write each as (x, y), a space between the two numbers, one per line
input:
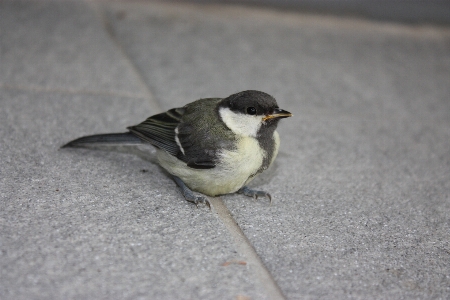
(251, 110)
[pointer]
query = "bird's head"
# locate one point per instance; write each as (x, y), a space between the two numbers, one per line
(250, 113)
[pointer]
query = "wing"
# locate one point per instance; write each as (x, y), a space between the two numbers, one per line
(159, 130)
(172, 131)
(195, 153)
(203, 145)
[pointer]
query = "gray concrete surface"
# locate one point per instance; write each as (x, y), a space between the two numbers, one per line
(361, 187)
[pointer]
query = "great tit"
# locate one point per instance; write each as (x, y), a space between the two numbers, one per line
(214, 146)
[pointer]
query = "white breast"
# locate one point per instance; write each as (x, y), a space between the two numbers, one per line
(235, 171)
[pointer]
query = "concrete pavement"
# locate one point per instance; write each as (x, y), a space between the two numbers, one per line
(361, 186)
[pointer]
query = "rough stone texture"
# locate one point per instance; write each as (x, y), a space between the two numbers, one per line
(61, 46)
(361, 186)
(362, 182)
(94, 224)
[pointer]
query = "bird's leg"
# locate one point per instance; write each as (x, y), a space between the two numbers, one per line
(254, 193)
(189, 195)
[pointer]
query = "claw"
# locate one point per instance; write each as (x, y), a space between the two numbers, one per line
(189, 195)
(201, 200)
(254, 193)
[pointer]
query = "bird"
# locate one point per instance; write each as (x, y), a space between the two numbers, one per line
(213, 146)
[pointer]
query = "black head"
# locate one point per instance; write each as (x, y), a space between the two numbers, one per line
(250, 103)
(251, 113)
(255, 103)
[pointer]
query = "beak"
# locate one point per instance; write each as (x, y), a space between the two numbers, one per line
(278, 113)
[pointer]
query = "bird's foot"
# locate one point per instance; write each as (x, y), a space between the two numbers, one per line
(254, 193)
(189, 194)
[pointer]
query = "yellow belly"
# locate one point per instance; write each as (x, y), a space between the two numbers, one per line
(236, 170)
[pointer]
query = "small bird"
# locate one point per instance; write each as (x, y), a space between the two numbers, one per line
(213, 146)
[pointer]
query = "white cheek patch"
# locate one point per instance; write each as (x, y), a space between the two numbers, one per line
(241, 124)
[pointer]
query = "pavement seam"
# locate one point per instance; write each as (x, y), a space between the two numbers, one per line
(100, 11)
(247, 250)
(241, 241)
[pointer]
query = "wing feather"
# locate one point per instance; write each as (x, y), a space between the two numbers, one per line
(200, 144)
(159, 130)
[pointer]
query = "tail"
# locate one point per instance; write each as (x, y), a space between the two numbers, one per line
(105, 139)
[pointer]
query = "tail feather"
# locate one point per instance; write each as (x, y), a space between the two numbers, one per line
(105, 139)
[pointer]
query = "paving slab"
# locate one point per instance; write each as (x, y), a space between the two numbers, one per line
(72, 224)
(361, 186)
(61, 45)
(101, 225)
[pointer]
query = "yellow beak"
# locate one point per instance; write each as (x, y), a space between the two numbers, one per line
(278, 113)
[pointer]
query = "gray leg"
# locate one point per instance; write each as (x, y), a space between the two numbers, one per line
(189, 195)
(254, 193)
